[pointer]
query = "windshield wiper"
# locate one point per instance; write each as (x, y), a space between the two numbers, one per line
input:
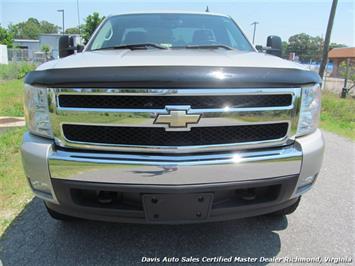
(133, 46)
(208, 46)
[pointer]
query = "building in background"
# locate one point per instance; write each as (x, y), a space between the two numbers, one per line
(339, 55)
(25, 49)
(3, 54)
(31, 50)
(52, 40)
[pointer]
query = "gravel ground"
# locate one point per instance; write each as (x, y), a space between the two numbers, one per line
(323, 226)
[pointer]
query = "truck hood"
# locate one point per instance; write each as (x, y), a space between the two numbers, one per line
(173, 57)
(170, 68)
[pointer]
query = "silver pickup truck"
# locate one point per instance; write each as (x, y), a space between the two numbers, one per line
(171, 118)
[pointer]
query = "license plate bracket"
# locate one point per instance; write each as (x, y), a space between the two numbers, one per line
(177, 207)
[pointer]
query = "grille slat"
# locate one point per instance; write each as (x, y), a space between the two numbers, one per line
(152, 136)
(159, 102)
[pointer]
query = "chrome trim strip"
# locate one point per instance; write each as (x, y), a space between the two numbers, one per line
(191, 111)
(175, 170)
(145, 117)
(172, 91)
(173, 149)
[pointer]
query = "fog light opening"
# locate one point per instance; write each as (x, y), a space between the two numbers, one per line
(39, 186)
(41, 189)
(309, 180)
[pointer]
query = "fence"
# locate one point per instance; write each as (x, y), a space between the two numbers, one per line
(336, 85)
(21, 55)
(16, 55)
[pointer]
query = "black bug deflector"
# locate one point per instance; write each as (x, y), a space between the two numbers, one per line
(171, 76)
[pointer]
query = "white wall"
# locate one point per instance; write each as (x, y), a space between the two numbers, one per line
(3, 54)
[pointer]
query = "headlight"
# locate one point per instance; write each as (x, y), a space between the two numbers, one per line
(310, 110)
(36, 111)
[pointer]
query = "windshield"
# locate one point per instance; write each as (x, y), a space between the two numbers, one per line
(170, 31)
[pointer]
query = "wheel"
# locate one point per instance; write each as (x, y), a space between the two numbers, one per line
(288, 210)
(59, 216)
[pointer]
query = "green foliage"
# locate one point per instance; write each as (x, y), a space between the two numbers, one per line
(24, 68)
(15, 70)
(47, 27)
(350, 72)
(336, 45)
(45, 48)
(338, 115)
(91, 23)
(307, 47)
(6, 37)
(74, 30)
(284, 48)
(32, 28)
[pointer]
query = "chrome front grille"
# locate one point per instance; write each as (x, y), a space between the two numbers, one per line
(123, 119)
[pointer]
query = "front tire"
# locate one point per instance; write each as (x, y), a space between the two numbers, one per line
(286, 211)
(59, 216)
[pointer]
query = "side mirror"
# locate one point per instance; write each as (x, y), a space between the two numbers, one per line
(66, 46)
(79, 48)
(259, 48)
(274, 45)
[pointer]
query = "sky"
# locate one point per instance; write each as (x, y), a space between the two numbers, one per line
(283, 18)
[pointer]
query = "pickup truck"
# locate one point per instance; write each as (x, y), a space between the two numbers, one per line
(171, 117)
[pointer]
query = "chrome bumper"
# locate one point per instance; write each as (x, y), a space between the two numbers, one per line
(42, 162)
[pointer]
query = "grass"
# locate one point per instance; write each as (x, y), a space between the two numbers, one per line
(15, 70)
(14, 190)
(11, 98)
(338, 115)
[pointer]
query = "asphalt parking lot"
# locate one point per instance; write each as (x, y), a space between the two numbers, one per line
(323, 226)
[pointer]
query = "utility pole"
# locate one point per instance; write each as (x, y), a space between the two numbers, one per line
(254, 23)
(62, 11)
(327, 39)
(77, 8)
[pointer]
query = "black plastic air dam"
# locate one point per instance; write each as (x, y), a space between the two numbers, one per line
(171, 76)
(62, 188)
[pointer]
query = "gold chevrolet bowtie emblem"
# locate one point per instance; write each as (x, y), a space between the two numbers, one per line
(177, 119)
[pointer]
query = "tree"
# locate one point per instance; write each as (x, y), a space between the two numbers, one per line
(45, 48)
(74, 30)
(47, 27)
(305, 46)
(284, 49)
(6, 37)
(91, 23)
(32, 28)
(336, 45)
